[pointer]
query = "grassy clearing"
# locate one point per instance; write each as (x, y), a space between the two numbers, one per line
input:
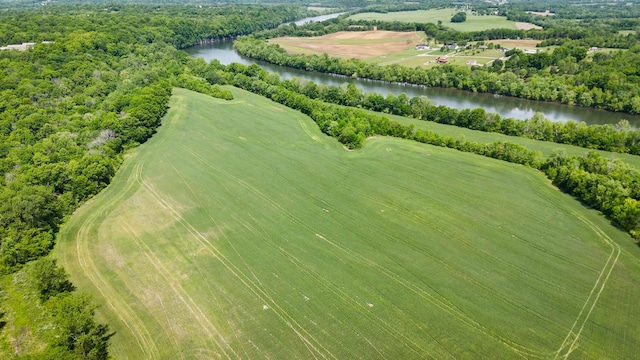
(604, 50)
(520, 44)
(438, 50)
(473, 23)
(239, 230)
(21, 311)
(546, 148)
(430, 59)
(397, 58)
(491, 53)
(292, 48)
(410, 61)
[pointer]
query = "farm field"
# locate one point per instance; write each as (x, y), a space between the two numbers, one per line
(473, 22)
(391, 47)
(520, 44)
(240, 230)
(351, 44)
(527, 26)
(546, 148)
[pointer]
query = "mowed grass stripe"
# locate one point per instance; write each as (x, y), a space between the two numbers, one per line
(545, 147)
(240, 231)
(142, 337)
(291, 217)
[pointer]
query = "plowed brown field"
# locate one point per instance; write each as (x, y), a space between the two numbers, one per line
(351, 44)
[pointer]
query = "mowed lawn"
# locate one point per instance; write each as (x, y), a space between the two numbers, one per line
(241, 231)
(473, 22)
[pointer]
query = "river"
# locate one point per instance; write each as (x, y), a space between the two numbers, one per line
(504, 105)
(317, 18)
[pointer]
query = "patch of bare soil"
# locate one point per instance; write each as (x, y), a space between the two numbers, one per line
(527, 26)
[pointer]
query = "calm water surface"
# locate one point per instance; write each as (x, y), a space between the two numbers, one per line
(505, 106)
(318, 18)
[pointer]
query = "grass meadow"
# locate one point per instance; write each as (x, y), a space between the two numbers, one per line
(473, 22)
(241, 231)
(545, 147)
(413, 58)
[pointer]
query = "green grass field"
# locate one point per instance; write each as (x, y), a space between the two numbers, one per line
(546, 148)
(400, 57)
(473, 23)
(405, 55)
(423, 58)
(241, 231)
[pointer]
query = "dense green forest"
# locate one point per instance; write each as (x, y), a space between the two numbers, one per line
(68, 112)
(71, 109)
(115, 29)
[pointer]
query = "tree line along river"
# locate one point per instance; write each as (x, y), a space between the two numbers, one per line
(505, 106)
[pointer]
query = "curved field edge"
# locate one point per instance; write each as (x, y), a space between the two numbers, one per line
(239, 230)
(545, 147)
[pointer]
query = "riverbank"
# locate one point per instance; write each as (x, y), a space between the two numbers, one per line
(505, 106)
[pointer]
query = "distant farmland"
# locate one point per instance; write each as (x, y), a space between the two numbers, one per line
(393, 47)
(473, 22)
(241, 231)
(352, 44)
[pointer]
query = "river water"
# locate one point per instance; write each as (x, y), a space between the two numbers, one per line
(317, 18)
(504, 105)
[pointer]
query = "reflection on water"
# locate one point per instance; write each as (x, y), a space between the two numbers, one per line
(504, 105)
